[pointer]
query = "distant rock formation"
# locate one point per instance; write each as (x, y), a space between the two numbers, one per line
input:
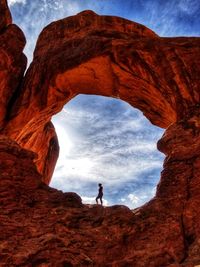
(109, 56)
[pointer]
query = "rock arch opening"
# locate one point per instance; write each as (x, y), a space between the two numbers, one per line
(106, 140)
(110, 56)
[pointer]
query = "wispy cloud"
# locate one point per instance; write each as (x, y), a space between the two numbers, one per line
(33, 16)
(13, 2)
(171, 18)
(190, 7)
(105, 140)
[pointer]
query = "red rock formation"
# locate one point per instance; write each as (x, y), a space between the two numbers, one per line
(12, 61)
(5, 18)
(109, 56)
(42, 226)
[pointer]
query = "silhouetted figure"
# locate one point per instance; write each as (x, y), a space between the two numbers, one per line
(100, 194)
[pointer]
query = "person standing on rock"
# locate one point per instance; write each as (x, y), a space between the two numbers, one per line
(100, 194)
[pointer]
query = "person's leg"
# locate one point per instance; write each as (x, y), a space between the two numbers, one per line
(101, 201)
(97, 200)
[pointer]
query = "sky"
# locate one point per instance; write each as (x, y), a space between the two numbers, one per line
(105, 140)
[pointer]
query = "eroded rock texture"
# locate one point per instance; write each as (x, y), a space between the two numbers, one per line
(41, 226)
(5, 18)
(12, 61)
(109, 56)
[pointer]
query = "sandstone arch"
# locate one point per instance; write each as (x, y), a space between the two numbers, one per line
(123, 59)
(160, 76)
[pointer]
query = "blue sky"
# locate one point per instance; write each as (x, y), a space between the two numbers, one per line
(103, 139)
(106, 140)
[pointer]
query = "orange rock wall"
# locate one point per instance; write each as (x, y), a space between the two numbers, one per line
(91, 54)
(108, 56)
(43, 226)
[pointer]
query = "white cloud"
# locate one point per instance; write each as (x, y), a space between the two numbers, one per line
(94, 168)
(189, 6)
(170, 18)
(37, 15)
(13, 2)
(92, 201)
(65, 142)
(134, 199)
(95, 146)
(80, 167)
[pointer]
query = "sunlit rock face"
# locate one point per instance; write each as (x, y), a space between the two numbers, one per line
(108, 56)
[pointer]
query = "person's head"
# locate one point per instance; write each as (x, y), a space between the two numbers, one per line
(100, 184)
